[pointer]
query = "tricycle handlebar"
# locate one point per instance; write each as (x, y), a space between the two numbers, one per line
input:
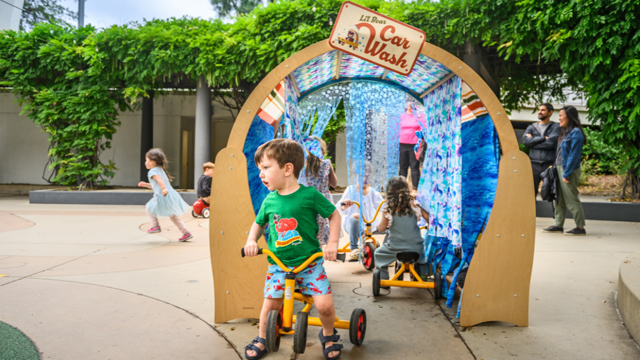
(340, 256)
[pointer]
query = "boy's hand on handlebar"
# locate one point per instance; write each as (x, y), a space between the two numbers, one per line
(251, 248)
(330, 252)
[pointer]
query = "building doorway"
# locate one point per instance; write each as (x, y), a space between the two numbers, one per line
(187, 130)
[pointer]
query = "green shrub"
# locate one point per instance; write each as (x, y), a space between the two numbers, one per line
(599, 158)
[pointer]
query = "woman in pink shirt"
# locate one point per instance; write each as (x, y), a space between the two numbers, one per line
(408, 139)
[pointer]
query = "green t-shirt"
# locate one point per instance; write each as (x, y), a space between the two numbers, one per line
(293, 223)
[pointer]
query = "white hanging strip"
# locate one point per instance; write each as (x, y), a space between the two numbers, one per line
(336, 75)
(294, 85)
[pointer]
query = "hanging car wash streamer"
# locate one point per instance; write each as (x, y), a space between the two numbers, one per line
(324, 103)
(479, 183)
(380, 104)
(291, 120)
(439, 190)
(259, 133)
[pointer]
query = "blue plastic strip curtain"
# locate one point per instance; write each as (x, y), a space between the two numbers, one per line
(323, 103)
(372, 104)
(379, 151)
(479, 182)
(292, 126)
(439, 191)
(367, 99)
(259, 133)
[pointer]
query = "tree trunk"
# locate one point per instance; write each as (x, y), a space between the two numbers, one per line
(632, 181)
(635, 186)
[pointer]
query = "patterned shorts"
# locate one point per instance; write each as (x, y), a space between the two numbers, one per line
(311, 281)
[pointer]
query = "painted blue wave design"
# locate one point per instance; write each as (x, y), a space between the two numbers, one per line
(480, 163)
(259, 133)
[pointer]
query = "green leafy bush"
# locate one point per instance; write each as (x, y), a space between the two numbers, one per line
(599, 157)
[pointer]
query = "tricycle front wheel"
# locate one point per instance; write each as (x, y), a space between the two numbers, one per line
(274, 323)
(357, 326)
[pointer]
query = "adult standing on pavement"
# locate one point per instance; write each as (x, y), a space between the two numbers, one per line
(542, 140)
(408, 139)
(568, 163)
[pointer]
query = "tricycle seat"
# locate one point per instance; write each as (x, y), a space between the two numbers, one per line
(409, 257)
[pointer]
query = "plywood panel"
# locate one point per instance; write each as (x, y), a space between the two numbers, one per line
(238, 282)
(497, 284)
(514, 212)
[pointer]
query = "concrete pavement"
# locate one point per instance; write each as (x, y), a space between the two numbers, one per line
(86, 282)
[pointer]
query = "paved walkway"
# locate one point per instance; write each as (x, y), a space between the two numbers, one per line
(86, 282)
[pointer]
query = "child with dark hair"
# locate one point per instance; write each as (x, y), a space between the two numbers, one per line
(291, 211)
(401, 216)
(166, 201)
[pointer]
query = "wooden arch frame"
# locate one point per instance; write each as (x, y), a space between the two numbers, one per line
(497, 283)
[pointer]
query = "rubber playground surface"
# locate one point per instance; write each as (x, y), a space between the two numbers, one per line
(87, 282)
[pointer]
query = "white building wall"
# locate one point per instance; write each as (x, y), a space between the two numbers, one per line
(10, 14)
(23, 145)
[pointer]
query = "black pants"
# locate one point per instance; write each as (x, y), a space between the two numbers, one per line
(408, 159)
(537, 168)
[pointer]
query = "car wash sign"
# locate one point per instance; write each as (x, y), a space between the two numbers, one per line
(376, 38)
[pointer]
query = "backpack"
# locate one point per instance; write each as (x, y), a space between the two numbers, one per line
(549, 190)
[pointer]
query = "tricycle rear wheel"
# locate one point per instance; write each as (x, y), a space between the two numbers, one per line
(300, 332)
(376, 282)
(437, 289)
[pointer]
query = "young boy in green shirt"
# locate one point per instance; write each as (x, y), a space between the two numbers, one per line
(291, 210)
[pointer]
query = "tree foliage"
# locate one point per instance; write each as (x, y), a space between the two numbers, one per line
(597, 43)
(543, 47)
(47, 11)
(228, 8)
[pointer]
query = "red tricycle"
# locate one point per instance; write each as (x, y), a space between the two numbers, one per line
(200, 209)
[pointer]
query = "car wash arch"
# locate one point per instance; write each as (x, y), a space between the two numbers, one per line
(475, 183)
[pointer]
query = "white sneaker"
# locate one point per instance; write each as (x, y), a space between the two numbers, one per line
(354, 255)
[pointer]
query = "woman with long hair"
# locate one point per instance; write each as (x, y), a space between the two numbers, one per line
(568, 157)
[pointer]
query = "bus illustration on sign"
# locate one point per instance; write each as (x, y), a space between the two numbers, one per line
(351, 39)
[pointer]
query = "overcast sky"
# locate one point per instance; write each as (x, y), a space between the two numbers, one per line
(104, 13)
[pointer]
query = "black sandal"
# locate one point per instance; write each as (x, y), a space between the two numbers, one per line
(259, 352)
(335, 347)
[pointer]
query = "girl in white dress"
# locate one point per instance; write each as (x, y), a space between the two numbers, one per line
(166, 201)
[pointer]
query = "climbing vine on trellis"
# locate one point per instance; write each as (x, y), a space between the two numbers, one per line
(75, 82)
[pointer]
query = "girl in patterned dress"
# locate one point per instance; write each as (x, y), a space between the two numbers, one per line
(166, 201)
(320, 174)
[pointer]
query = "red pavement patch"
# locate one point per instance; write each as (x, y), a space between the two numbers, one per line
(10, 222)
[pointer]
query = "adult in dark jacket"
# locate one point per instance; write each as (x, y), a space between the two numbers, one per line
(542, 140)
(570, 145)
